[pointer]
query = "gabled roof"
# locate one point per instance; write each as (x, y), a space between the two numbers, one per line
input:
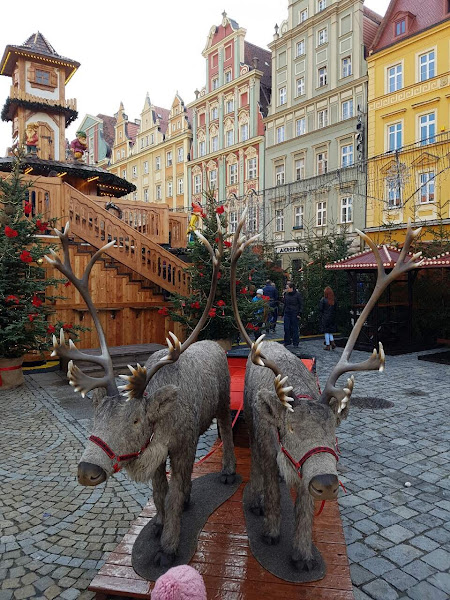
(421, 16)
(132, 129)
(36, 45)
(371, 24)
(366, 260)
(108, 128)
(163, 115)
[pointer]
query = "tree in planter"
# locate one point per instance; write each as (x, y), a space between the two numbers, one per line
(252, 273)
(24, 303)
(312, 279)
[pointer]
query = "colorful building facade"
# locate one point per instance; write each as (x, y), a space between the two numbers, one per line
(227, 124)
(315, 128)
(99, 131)
(152, 153)
(409, 128)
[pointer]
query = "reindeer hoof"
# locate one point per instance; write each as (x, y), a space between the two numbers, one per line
(228, 478)
(157, 529)
(187, 503)
(257, 510)
(304, 565)
(271, 540)
(164, 559)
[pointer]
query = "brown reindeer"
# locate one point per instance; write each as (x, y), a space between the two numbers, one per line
(163, 413)
(292, 430)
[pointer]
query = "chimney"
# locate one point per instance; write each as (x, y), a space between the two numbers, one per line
(196, 92)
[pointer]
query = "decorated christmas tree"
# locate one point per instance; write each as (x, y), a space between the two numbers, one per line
(25, 306)
(252, 273)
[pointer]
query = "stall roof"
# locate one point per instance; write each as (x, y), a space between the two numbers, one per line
(389, 254)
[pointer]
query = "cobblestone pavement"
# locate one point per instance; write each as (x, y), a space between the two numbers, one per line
(55, 534)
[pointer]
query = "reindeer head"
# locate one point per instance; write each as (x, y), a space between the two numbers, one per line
(125, 425)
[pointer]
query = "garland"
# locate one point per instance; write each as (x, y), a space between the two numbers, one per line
(69, 113)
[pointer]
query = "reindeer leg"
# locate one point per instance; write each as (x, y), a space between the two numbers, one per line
(302, 555)
(160, 487)
(272, 500)
(256, 482)
(228, 475)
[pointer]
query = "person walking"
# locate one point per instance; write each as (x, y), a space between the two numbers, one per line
(293, 308)
(259, 313)
(327, 309)
(271, 292)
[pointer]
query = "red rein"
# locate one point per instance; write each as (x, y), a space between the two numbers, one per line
(121, 457)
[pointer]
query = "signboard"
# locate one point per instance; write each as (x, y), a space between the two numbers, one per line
(289, 249)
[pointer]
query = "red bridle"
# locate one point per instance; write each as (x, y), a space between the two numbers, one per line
(121, 457)
(299, 464)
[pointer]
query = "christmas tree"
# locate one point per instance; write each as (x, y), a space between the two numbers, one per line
(24, 304)
(252, 273)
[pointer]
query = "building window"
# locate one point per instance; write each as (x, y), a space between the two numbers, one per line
(134, 171)
(227, 76)
(280, 134)
(229, 137)
(118, 154)
(251, 168)
(322, 76)
(142, 142)
(300, 126)
(197, 184)
(214, 113)
(322, 36)
(180, 155)
(158, 192)
(252, 219)
(145, 194)
(169, 159)
(42, 77)
(229, 106)
(321, 214)
(347, 109)
(427, 129)
(169, 189)
(202, 148)
(347, 210)
(298, 217)
(300, 86)
(215, 83)
(279, 174)
(135, 196)
(123, 152)
(426, 65)
(213, 179)
(233, 221)
(321, 163)
(244, 132)
(303, 15)
(146, 167)
(321, 5)
(152, 139)
(124, 173)
(347, 155)
(395, 78)
(282, 96)
(180, 185)
(214, 143)
(279, 220)
(426, 192)
(157, 163)
(394, 136)
(300, 48)
(232, 174)
(393, 192)
(346, 66)
(322, 118)
(299, 166)
(400, 27)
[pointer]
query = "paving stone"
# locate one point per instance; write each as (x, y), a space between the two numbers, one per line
(357, 552)
(359, 575)
(426, 591)
(396, 533)
(366, 526)
(441, 581)
(424, 543)
(6, 594)
(419, 569)
(439, 558)
(377, 565)
(380, 590)
(25, 592)
(70, 594)
(399, 579)
(402, 554)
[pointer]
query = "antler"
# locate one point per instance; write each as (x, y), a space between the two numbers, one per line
(140, 377)
(81, 382)
(259, 359)
(377, 359)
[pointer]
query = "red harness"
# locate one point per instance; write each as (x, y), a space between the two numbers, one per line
(299, 464)
(121, 457)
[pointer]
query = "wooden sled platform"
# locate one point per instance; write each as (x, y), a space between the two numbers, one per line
(223, 555)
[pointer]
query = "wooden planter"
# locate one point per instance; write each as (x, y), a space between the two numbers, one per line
(11, 374)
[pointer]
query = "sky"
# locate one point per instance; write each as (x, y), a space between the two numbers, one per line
(130, 47)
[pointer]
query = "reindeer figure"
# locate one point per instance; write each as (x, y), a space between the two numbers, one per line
(168, 404)
(293, 429)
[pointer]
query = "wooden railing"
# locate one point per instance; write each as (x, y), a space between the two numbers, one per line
(97, 226)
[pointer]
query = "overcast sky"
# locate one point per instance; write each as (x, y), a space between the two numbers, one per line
(130, 47)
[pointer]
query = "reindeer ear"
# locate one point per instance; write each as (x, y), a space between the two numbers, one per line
(270, 407)
(341, 414)
(162, 402)
(97, 396)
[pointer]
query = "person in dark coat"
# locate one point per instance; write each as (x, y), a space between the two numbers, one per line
(293, 308)
(271, 292)
(327, 309)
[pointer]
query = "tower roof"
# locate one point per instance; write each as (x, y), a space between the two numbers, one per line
(37, 47)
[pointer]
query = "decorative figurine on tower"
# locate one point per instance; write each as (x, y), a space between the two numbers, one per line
(31, 137)
(79, 146)
(197, 212)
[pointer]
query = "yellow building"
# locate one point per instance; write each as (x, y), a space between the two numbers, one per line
(152, 152)
(408, 121)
